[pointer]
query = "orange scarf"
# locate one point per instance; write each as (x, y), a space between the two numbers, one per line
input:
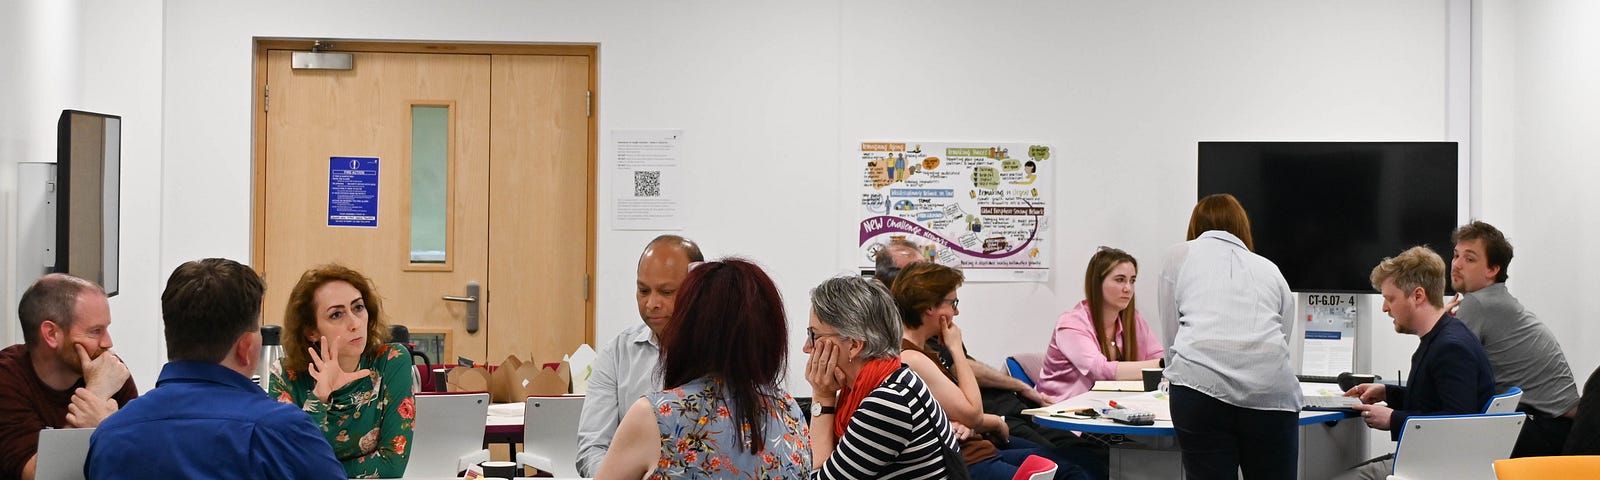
(871, 375)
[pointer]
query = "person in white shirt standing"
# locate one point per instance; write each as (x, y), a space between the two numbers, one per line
(625, 369)
(1227, 317)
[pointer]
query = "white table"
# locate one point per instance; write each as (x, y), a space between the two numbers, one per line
(1329, 441)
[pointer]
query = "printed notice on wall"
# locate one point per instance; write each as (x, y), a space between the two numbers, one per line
(646, 183)
(353, 192)
(979, 206)
(1330, 343)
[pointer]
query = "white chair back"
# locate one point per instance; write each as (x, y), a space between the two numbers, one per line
(62, 452)
(1505, 402)
(448, 434)
(1458, 447)
(550, 434)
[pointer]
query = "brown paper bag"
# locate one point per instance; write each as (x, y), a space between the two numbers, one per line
(505, 383)
(467, 379)
(547, 379)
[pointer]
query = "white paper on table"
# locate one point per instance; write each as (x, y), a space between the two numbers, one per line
(1154, 402)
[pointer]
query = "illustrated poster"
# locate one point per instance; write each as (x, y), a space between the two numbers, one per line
(978, 206)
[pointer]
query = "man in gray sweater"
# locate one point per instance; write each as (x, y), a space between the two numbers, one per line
(1522, 350)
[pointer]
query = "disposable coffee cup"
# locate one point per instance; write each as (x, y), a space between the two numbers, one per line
(499, 469)
(1152, 379)
(1349, 381)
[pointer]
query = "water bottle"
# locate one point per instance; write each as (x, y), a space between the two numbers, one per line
(271, 353)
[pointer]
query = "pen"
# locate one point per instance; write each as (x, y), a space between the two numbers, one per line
(1114, 404)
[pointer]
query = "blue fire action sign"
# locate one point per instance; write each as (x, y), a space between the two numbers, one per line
(353, 191)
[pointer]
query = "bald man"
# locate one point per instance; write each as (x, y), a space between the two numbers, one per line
(625, 369)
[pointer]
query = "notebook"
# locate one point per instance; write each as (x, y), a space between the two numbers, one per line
(1119, 386)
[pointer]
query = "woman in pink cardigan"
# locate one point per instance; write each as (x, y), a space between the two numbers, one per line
(1104, 337)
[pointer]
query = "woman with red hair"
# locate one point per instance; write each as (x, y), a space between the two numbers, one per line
(722, 413)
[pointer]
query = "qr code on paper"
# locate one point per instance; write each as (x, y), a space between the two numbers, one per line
(647, 183)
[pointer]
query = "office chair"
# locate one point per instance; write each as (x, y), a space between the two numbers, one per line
(1036, 468)
(1025, 366)
(1505, 402)
(1457, 447)
(550, 434)
(448, 434)
(1571, 467)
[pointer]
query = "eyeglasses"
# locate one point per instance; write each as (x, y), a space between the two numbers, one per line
(954, 302)
(812, 336)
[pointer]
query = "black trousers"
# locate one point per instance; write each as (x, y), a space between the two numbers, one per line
(1541, 436)
(1219, 440)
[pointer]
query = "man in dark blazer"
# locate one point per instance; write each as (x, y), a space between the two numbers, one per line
(1450, 372)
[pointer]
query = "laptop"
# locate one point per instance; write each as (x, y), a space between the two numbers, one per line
(62, 452)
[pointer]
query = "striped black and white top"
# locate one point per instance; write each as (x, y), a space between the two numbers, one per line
(898, 432)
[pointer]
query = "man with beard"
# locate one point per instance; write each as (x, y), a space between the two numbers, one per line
(63, 375)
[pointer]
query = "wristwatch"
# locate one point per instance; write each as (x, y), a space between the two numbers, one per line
(818, 409)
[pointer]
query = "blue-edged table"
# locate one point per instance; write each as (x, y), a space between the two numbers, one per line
(1328, 443)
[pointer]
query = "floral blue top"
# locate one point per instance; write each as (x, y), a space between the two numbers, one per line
(698, 440)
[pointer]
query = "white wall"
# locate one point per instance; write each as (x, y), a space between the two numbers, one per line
(39, 68)
(121, 75)
(101, 56)
(1553, 125)
(1123, 90)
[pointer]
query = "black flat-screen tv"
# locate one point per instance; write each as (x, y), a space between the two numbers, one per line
(1327, 212)
(88, 193)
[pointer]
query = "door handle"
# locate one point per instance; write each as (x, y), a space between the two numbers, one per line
(471, 299)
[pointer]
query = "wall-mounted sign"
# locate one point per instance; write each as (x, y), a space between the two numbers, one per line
(353, 192)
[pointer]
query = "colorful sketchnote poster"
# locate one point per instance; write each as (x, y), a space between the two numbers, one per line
(978, 206)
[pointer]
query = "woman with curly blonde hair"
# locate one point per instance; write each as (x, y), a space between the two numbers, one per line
(338, 367)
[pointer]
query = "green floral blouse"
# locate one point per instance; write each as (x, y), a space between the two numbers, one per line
(368, 421)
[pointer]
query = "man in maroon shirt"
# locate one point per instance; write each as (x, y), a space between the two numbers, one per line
(63, 375)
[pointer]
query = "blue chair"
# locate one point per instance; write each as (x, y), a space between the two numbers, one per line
(1457, 447)
(1505, 402)
(1025, 366)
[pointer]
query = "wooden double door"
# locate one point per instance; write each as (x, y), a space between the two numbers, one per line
(484, 175)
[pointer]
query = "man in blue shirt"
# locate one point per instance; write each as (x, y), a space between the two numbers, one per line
(205, 418)
(1450, 372)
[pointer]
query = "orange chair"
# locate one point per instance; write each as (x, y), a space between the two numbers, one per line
(1572, 467)
(1036, 468)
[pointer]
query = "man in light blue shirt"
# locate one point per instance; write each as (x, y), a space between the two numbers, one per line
(626, 367)
(205, 418)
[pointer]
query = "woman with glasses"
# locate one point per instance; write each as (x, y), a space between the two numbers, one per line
(1104, 337)
(871, 416)
(925, 294)
(722, 414)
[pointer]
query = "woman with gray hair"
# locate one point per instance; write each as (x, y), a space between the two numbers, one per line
(871, 417)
